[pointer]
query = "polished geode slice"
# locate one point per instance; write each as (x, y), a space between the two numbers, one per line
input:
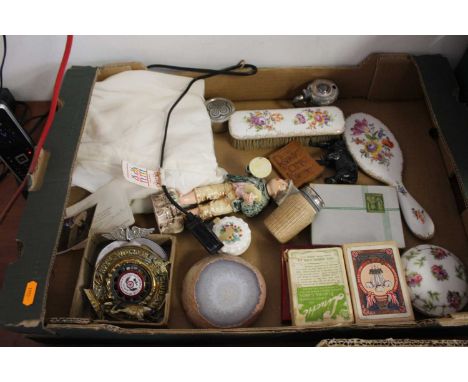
(223, 292)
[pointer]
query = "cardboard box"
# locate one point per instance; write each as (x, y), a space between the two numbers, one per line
(400, 90)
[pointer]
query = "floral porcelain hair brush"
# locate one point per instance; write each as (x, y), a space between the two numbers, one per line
(376, 151)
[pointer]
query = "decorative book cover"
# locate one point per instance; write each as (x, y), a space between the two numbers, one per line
(357, 214)
(318, 287)
(294, 162)
(377, 283)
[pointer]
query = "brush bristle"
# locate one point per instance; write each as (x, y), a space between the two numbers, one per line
(267, 143)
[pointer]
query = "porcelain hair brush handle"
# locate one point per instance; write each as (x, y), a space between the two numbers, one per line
(377, 152)
(416, 217)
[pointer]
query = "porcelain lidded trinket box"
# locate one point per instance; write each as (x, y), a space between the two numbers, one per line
(436, 279)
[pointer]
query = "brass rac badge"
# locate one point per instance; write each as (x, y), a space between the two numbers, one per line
(130, 282)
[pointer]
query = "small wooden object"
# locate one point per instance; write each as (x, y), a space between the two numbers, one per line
(295, 163)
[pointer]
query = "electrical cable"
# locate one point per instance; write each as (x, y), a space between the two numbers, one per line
(35, 117)
(206, 237)
(26, 110)
(47, 126)
(40, 120)
(3, 60)
(247, 70)
(4, 171)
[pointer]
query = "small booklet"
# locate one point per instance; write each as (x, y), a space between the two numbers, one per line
(318, 287)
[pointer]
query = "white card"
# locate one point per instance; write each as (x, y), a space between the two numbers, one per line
(112, 210)
(357, 214)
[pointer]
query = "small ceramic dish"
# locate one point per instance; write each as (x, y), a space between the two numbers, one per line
(234, 233)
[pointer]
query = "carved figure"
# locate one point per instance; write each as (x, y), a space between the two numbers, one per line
(338, 157)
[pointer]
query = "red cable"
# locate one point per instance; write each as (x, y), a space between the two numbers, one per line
(47, 125)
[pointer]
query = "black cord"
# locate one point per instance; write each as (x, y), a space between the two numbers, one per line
(40, 121)
(4, 171)
(36, 117)
(26, 110)
(3, 60)
(208, 73)
(247, 70)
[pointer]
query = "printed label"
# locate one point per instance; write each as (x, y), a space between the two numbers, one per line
(322, 302)
(142, 176)
(29, 293)
(130, 284)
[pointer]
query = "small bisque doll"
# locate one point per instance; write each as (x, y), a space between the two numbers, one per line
(245, 194)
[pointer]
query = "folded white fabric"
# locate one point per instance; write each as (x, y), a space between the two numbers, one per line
(125, 121)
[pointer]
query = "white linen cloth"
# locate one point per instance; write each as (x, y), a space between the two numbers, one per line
(125, 121)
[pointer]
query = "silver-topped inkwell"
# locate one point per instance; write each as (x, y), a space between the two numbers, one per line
(320, 92)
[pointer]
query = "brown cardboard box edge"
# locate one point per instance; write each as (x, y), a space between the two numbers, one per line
(367, 82)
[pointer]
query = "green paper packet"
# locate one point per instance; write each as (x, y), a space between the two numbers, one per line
(318, 287)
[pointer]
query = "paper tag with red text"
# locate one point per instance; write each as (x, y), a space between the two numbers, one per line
(142, 176)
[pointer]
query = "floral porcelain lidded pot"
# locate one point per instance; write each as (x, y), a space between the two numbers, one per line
(234, 233)
(437, 280)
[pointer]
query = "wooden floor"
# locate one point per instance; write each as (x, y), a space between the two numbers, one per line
(9, 227)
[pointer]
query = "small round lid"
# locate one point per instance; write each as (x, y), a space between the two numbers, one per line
(436, 279)
(323, 92)
(219, 109)
(234, 233)
(259, 167)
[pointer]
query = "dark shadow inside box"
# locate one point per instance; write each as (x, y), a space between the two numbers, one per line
(62, 282)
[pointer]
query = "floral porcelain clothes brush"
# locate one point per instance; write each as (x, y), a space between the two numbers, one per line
(376, 151)
(254, 129)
